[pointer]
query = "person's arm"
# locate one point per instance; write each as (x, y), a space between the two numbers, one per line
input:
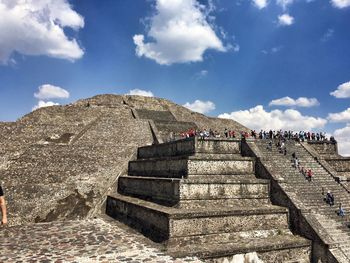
(3, 210)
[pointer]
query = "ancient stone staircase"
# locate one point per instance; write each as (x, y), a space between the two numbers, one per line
(201, 198)
(310, 195)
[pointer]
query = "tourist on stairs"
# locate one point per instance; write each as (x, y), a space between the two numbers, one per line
(329, 198)
(296, 162)
(309, 175)
(269, 146)
(341, 211)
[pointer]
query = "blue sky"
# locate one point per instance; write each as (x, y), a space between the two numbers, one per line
(234, 58)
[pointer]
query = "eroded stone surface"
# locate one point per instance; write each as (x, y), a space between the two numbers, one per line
(95, 240)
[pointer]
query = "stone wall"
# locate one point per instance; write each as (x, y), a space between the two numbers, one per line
(191, 146)
(181, 167)
(340, 164)
(324, 148)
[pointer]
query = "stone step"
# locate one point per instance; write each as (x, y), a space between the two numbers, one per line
(317, 188)
(161, 223)
(170, 191)
(191, 146)
(278, 249)
(224, 238)
(212, 203)
(179, 167)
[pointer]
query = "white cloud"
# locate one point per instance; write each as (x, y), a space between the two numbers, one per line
(48, 91)
(343, 116)
(42, 104)
(300, 102)
(180, 33)
(200, 106)
(260, 3)
(340, 3)
(37, 28)
(343, 138)
(342, 91)
(140, 92)
(285, 20)
(257, 118)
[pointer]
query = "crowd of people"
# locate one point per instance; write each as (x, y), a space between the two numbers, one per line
(271, 134)
(206, 133)
(291, 135)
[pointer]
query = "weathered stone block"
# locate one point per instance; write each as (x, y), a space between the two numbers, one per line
(180, 167)
(190, 146)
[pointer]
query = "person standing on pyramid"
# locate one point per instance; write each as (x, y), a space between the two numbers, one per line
(3, 207)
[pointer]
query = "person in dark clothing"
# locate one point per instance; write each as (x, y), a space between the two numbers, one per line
(3, 207)
(330, 198)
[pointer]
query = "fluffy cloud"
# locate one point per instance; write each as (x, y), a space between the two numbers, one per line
(343, 137)
(300, 102)
(260, 3)
(285, 20)
(200, 106)
(257, 118)
(140, 92)
(48, 91)
(343, 91)
(42, 104)
(180, 33)
(37, 28)
(340, 3)
(343, 116)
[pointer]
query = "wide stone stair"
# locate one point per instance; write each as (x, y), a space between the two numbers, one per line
(201, 198)
(311, 195)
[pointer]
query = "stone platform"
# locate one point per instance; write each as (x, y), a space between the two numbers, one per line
(95, 240)
(200, 197)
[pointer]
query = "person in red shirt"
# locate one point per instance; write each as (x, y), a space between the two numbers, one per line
(309, 175)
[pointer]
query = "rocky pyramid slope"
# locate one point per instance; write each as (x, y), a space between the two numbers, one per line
(60, 162)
